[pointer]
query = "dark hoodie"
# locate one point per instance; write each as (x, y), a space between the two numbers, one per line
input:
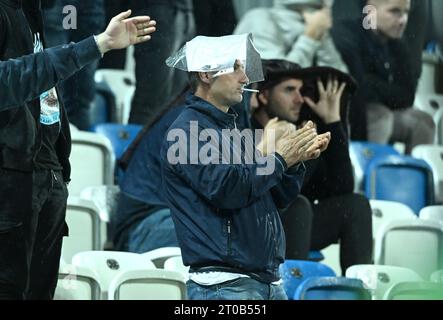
(23, 80)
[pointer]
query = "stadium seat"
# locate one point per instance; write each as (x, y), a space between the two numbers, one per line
(437, 276)
(402, 179)
(121, 83)
(294, 272)
(105, 199)
(361, 154)
(84, 223)
(154, 284)
(77, 283)
(108, 264)
(332, 288)
(176, 264)
(432, 213)
(160, 255)
(414, 244)
(415, 291)
(385, 211)
(92, 161)
(378, 279)
(433, 155)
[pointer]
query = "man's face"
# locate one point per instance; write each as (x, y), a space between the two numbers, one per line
(228, 89)
(392, 17)
(284, 100)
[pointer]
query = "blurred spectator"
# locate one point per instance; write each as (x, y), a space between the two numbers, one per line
(79, 90)
(214, 18)
(156, 84)
(294, 30)
(242, 6)
(382, 65)
(327, 211)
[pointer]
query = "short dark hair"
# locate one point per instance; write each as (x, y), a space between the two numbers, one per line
(194, 80)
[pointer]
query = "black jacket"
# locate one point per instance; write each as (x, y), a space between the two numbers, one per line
(383, 71)
(22, 80)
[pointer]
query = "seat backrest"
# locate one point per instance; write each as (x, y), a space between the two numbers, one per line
(294, 272)
(155, 284)
(415, 291)
(378, 279)
(402, 179)
(385, 211)
(332, 288)
(432, 213)
(176, 264)
(120, 135)
(361, 154)
(433, 155)
(437, 276)
(414, 244)
(92, 161)
(105, 198)
(84, 223)
(160, 255)
(108, 264)
(120, 82)
(76, 283)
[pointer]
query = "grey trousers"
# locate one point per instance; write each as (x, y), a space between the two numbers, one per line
(409, 126)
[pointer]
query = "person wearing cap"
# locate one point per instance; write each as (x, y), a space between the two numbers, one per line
(295, 30)
(35, 141)
(327, 211)
(225, 211)
(378, 57)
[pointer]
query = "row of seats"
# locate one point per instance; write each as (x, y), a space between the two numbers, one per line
(112, 275)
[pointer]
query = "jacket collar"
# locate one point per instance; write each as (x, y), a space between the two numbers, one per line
(224, 119)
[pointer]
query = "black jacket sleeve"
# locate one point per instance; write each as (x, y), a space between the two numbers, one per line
(25, 78)
(331, 174)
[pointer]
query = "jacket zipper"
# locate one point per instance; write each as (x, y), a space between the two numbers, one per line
(228, 227)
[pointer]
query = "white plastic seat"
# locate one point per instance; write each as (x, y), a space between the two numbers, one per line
(437, 276)
(385, 211)
(432, 213)
(108, 264)
(155, 284)
(176, 264)
(378, 279)
(105, 199)
(84, 223)
(76, 283)
(433, 155)
(92, 161)
(415, 291)
(414, 244)
(121, 83)
(159, 256)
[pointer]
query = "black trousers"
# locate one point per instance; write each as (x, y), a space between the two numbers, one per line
(345, 219)
(32, 226)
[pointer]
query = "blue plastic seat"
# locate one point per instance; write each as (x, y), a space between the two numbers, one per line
(120, 135)
(362, 153)
(332, 288)
(315, 256)
(402, 179)
(294, 272)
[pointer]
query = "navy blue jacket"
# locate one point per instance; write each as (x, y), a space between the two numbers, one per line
(226, 214)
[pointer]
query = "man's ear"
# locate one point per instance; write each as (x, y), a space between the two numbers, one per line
(205, 77)
(263, 97)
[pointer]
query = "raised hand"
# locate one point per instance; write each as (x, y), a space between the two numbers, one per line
(328, 105)
(123, 31)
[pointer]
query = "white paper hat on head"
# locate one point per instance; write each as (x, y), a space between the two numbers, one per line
(218, 54)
